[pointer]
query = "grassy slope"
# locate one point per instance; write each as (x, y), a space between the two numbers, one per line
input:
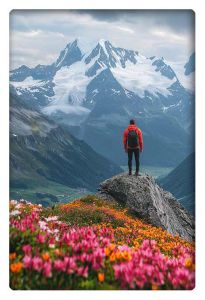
(100, 216)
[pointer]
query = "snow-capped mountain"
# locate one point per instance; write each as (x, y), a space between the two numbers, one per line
(62, 86)
(105, 87)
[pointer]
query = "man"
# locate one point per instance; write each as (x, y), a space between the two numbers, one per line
(133, 143)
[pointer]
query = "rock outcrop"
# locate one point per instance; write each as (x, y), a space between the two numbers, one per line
(149, 202)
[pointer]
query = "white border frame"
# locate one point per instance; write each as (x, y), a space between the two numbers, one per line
(6, 7)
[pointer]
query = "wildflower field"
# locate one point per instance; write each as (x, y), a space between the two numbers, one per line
(94, 244)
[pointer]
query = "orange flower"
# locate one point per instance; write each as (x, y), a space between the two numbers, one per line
(58, 252)
(154, 287)
(188, 262)
(112, 257)
(45, 256)
(107, 251)
(127, 255)
(16, 268)
(101, 277)
(118, 255)
(112, 247)
(12, 256)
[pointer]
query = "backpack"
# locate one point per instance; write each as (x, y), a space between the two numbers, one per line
(132, 139)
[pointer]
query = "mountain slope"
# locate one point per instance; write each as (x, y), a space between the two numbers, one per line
(181, 183)
(42, 151)
(190, 65)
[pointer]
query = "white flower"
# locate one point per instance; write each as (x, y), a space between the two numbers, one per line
(14, 202)
(15, 212)
(51, 245)
(18, 205)
(42, 225)
(54, 218)
(58, 222)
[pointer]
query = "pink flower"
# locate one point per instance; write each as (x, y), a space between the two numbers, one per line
(27, 249)
(71, 265)
(80, 250)
(37, 263)
(82, 271)
(40, 238)
(59, 265)
(47, 269)
(27, 261)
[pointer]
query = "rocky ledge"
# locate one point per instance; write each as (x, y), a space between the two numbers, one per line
(149, 202)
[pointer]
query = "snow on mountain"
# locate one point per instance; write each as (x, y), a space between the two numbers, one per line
(141, 77)
(186, 72)
(65, 84)
(107, 55)
(27, 83)
(70, 83)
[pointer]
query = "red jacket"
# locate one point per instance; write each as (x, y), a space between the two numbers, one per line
(139, 133)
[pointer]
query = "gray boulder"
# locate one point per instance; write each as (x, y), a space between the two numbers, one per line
(149, 202)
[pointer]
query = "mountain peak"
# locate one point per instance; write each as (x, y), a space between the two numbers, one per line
(72, 53)
(103, 42)
(106, 46)
(72, 44)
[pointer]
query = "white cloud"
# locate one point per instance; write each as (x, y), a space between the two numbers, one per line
(43, 34)
(126, 29)
(168, 35)
(67, 109)
(33, 33)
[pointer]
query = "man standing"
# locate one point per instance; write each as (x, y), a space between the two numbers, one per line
(133, 143)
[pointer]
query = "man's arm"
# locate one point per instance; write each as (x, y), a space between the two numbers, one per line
(125, 139)
(141, 144)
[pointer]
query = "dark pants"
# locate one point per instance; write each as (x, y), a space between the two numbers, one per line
(137, 156)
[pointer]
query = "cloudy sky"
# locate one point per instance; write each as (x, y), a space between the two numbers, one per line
(37, 37)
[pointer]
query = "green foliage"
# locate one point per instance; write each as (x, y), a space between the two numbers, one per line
(98, 202)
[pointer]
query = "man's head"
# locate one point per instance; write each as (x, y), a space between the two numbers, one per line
(132, 122)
